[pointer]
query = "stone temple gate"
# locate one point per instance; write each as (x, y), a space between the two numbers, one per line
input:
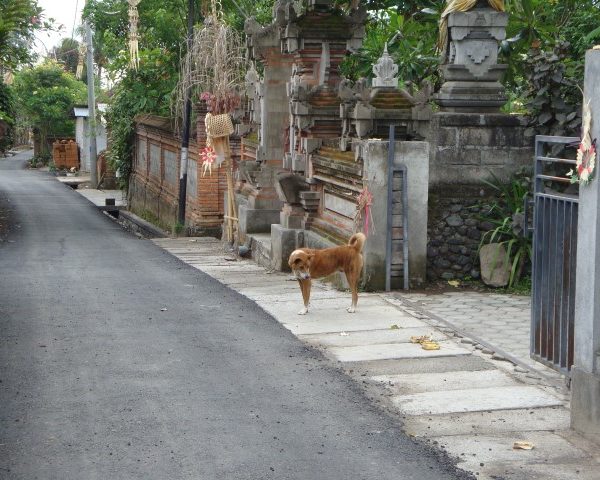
(313, 145)
(314, 141)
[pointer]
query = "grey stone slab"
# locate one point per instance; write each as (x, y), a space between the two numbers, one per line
(291, 291)
(576, 469)
(419, 365)
(434, 382)
(371, 337)
(499, 458)
(234, 268)
(498, 422)
(395, 350)
(342, 322)
(328, 308)
(263, 285)
(474, 400)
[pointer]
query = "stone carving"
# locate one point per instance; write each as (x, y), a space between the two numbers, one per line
(471, 70)
(366, 111)
(385, 71)
(478, 55)
(289, 186)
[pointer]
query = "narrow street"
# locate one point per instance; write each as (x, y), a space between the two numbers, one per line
(119, 361)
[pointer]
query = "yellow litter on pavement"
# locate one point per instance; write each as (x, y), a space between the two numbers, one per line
(523, 446)
(426, 342)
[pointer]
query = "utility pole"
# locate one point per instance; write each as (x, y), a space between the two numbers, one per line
(91, 104)
(185, 134)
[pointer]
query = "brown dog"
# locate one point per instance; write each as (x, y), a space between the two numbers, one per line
(308, 263)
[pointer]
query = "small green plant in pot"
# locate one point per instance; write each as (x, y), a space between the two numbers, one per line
(505, 215)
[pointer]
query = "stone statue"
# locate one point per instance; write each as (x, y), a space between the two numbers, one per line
(385, 71)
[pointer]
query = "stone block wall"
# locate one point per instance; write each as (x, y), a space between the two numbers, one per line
(466, 150)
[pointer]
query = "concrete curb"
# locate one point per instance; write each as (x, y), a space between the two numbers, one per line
(145, 228)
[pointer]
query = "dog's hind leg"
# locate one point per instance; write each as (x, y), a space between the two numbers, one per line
(352, 307)
(353, 278)
(305, 289)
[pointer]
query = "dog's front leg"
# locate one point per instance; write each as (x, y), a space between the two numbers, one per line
(305, 289)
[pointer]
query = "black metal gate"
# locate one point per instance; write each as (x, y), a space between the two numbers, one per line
(554, 256)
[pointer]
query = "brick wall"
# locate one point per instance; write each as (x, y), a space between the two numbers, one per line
(154, 182)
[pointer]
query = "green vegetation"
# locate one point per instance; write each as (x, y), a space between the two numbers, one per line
(7, 117)
(67, 54)
(162, 27)
(46, 95)
(506, 216)
(19, 21)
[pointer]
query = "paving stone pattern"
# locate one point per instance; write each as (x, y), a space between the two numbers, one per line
(501, 320)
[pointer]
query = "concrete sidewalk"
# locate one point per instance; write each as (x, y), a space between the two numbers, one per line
(464, 398)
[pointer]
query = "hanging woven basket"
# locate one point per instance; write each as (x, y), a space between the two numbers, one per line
(218, 125)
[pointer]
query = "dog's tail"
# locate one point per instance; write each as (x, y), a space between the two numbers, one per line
(357, 241)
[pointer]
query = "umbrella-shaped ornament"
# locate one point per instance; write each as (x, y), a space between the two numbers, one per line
(208, 156)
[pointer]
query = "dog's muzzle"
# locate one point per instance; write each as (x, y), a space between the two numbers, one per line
(301, 275)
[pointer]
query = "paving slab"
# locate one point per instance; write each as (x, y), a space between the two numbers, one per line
(226, 272)
(337, 306)
(497, 422)
(285, 296)
(261, 284)
(474, 400)
(422, 366)
(98, 197)
(332, 322)
(544, 471)
(497, 453)
(384, 351)
(202, 259)
(371, 337)
(435, 382)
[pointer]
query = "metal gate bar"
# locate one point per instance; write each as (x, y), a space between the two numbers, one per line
(554, 259)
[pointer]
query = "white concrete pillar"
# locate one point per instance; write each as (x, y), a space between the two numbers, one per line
(585, 385)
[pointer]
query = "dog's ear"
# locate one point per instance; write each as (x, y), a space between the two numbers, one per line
(298, 261)
(310, 257)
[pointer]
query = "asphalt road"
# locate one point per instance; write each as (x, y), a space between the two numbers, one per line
(98, 381)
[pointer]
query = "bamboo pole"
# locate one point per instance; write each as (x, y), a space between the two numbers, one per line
(231, 217)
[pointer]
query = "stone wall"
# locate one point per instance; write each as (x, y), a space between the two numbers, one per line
(467, 149)
(454, 232)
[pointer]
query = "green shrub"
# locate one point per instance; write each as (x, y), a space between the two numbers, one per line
(507, 217)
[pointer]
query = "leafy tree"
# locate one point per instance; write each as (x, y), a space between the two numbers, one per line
(162, 29)
(46, 94)
(411, 35)
(7, 117)
(67, 54)
(18, 23)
